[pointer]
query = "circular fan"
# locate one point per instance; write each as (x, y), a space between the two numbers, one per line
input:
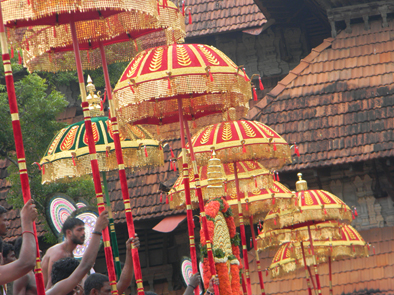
(187, 272)
(59, 208)
(89, 216)
(186, 269)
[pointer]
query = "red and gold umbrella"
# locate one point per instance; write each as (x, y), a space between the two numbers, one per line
(241, 140)
(250, 174)
(122, 36)
(177, 83)
(38, 13)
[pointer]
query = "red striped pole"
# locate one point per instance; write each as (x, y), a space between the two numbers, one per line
(211, 259)
(122, 176)
(261, 280)
(242, 230)
(20, 151)
(93, 161)
(189, 213)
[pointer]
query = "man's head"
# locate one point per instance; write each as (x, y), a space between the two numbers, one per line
(97, 284)
(8, 253)
(3, 221)
(74, 230)
(63, 268)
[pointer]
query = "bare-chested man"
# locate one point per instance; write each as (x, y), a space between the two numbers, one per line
(74, 234)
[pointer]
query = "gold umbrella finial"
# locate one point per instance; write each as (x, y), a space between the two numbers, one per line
(301, 185)
(93, 100)
(215, 176)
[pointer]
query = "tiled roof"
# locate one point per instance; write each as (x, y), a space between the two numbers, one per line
(337, 104)
(13, 215)
(213, 17)
(372, 275)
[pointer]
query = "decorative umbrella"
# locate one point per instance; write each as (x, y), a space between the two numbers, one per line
(50, 48)
(350, 244)
(321, 231)
(250, 174)
(311, 207)
(25, 14)
(241, 140)
(67, 155)
(179, 83)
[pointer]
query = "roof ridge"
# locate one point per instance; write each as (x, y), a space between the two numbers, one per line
(293, 74)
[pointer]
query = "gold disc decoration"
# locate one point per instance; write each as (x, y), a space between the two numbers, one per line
(289, 256)
(68, 154)
(49, 48)
(240, 141)
(206, 80)
(311, 206)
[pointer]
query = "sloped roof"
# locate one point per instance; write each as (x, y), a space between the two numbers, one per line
(337, 104)
(371, 275)
(213, 17)
(13, 215)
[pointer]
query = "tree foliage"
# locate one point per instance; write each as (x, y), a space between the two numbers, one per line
(39, 106)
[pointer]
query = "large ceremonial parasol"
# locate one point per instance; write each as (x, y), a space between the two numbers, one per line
(234, 141)
(53, 13)
(67, 155)
(251, 174)
(177, 83)
(311, 207)
(350, 244)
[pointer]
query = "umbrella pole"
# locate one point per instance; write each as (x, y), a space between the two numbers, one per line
(211, 259)
(245, 292)
(306, 270)
(314, 261)
(242, 230)
(114, 241)
(330, 273)
(122, 175)
(93, 160)
(20, 151)
(257, 255)
(310, 275)
(189, 213)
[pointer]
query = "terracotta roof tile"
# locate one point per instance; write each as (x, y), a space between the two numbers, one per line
(210, 17)
(337, 103)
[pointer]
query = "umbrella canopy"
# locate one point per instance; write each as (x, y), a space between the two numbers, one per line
(241, 140)
(288, 258)
(49, 48)
(250, 174)
(204, 77)
(321, 231)
(24, 13)
(68, 153)
(257, 202)
(311, 207)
